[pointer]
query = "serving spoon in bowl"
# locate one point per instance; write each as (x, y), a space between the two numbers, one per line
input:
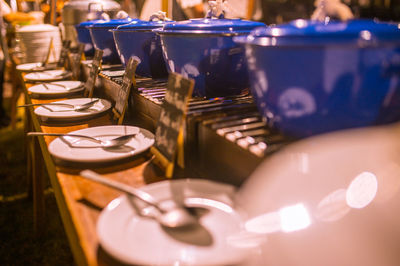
(175, 218)
(111, 143)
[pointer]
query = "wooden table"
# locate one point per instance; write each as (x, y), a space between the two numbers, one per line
(79, 201)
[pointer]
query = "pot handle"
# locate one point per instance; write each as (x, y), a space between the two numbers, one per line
(216, 9)
(391, 67)
(327, 10)
(159, 16)
(240, 39)
(367, 39)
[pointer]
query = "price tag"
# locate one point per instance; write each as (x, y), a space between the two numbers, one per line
(75, 61)
(64, 53)
(128, 80)
(168, 144)
(94, 72)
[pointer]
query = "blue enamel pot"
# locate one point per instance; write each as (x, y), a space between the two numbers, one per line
(103, 38)
(204, 50)
(138, 40)
(311, 77)
(84, 36)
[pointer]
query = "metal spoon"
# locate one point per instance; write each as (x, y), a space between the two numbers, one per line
(177, 217)
(52, 74)
(41, 66)
(116, 142)
(46, 85)
(79, 107)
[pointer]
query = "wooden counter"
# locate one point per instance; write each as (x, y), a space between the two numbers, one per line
(79, 201)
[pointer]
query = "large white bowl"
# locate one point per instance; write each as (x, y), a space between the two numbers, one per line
(34, 40)
(328, 200)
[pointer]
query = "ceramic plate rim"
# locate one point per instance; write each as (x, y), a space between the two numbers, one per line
(76, 89)
(25, 66)
(77, 115)
(153, 188)
(65, 157)
(61, 76)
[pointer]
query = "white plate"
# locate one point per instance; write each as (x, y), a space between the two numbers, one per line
(28, 66)
(58, 87)
(47, 75)
(134, 239)
(59, 112)
(80, 150)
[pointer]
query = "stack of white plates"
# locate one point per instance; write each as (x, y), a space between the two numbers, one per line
(34, 41)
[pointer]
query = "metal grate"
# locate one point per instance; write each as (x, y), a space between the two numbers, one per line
(225, 135)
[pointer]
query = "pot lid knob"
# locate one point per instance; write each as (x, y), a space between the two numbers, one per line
(159, 16)
(105, 16)
(121, 15)
(217, 9)
(331, 9)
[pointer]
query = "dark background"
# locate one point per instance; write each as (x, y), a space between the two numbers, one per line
(278, 11)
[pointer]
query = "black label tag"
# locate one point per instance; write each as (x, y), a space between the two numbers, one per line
(94, 72)
(173, 113)
(64, 53)
(75, 61)
(124, 90)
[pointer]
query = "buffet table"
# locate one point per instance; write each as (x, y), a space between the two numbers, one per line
(211, 152)
(79, 201)
(307, 78)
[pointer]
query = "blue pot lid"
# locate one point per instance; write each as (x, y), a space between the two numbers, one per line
(143, 25)
(112, 23)
(213, 26)
(307, 32)
(88, 23)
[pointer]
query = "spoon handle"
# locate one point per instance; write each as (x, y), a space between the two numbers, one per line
(46, 85)
(89, 104)
(144, 196)
(40, 104)
(62, 135)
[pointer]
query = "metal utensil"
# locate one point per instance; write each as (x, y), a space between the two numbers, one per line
(55, 74)
(177, 217)
(111, 143)
(79, 107)
(46, 85)
(41, 66)
(51, 76)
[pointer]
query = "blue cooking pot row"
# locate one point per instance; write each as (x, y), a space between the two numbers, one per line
(137, 39)
(201, 49)
(97, 34)
(312, 77)
(204, 50)
(307, 77)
